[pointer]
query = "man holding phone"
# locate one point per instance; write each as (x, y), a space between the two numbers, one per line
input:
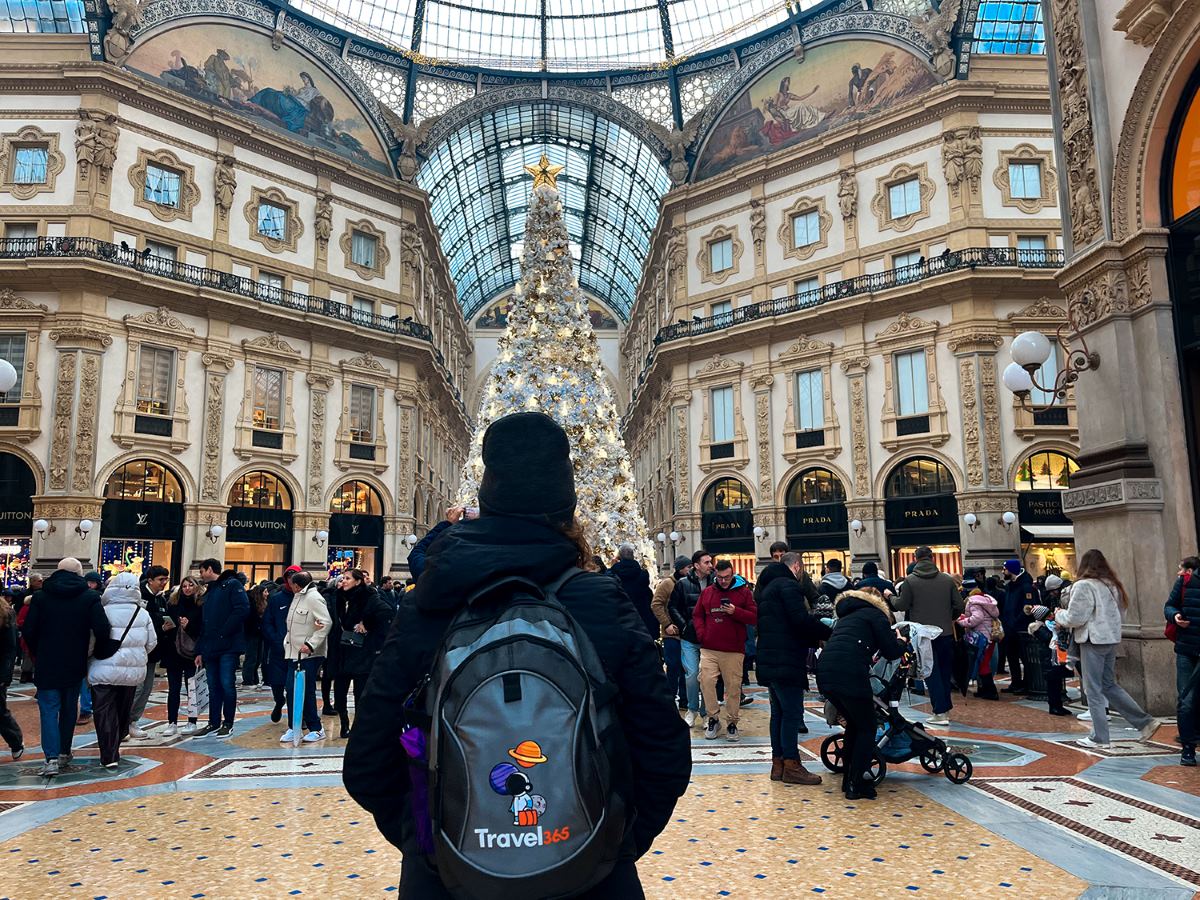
(721, 615)
(454, 515)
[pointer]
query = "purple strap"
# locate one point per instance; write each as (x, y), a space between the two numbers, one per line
(413, 741)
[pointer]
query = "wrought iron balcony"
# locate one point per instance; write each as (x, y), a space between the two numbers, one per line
(198, 276)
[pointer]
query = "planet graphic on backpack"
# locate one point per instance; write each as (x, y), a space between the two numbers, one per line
(499, 777)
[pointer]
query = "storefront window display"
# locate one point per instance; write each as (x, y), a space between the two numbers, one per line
(920, 509)
(1047, 535)
(727, 520)
(817, 523)
(17, 487)
(258, 538)
(356, 529)
(141, 524)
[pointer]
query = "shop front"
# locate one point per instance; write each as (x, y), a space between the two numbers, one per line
(816, 520)
(141, 524)
(1047, 535)
(920, 510)
(356, 530)
(17, 487)
(727, 525)
(258, 533)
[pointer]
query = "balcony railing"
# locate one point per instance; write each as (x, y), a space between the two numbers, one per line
(949, 261)
(198, 276)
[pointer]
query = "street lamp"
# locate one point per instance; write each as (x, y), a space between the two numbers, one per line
(1008, 519)
(320, 537)
(84, 527)
(214, 532)
(8, 376)
(971, 520)
(1030, 350)
(857, 527)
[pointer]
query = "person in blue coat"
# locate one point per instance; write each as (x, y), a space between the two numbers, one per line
(274, 629)
(1019, 592)
(221, 643)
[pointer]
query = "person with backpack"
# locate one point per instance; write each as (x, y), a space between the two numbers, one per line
(185, 609)
(672, 624)
(116, 678)
(457, 816)
(721, 615)
(833, 583)
(980, 622)
(1182, 612)
(681, 605)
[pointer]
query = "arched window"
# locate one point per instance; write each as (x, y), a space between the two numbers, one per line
(1185, 159)
(142, 479)
(816, 486)
(727, 494)
(918, 478)
(260, 490)
(1048, 470)
(16, 479)
(356, 497)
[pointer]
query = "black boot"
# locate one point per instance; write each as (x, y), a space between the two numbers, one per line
(987, 688)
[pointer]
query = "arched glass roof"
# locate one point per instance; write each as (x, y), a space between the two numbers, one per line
(553, 35)
(479, 192)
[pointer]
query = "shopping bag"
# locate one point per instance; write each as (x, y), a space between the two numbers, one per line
(298, 706)
(197, 695)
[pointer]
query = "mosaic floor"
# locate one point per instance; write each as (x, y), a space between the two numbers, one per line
(247, 818)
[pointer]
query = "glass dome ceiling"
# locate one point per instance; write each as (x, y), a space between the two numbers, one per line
(553, 35)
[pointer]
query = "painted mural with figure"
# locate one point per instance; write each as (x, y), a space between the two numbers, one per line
(237, 69)
(795, 100)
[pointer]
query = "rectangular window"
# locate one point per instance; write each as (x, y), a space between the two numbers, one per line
(912, 387)
(362, 414)
(810, 400)
(270, 285)
(12, 348)
(904, 199)
(362, 249)
(807, 288)
(364, 309)
(1045, 377)
(268, 398)
(904, 260)
(155, 367)
(272, 221)
(1031, 249)
(18, 230)
(806, 229)
(720, 255)
(722, 415)
(722, 311)
(29, 164)
(162, 186)
(1025, 180)
(160, 257)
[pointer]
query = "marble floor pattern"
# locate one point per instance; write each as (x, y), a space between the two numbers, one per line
(248, 818)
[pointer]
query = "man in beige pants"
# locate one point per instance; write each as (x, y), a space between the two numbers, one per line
(721, 615)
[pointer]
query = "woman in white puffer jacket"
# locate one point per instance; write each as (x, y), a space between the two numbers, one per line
(115, 680)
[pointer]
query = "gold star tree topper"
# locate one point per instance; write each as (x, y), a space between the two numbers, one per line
(544, 173)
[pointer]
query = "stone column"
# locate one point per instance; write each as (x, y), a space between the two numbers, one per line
(403, 523)
(867, 546)
(198, 519)
(70, 486)
(312, 556)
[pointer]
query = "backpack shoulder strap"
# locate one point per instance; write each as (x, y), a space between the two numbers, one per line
(550, 591)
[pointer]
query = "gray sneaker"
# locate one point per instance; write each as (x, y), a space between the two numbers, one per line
(711, 728)
(49, 768)
(731, 733)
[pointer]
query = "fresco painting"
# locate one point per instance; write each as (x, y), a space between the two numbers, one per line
(796, 100)
(238, 69)
(497, 316)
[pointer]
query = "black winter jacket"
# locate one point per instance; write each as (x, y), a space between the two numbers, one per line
(61, 618)
(683, 602)
(416, 559)
(786, 628)
(775, 570)
(863, 628)
(878, 582)
(8, 650)
(466, 558)
(1187, 602)
(359, 604)
(635, 581)
(225, 609)
(1018, 593)
(155, 607)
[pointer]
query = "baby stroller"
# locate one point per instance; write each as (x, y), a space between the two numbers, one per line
(897, 739)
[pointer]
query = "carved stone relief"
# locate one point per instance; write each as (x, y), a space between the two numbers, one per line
(96, 144)
(762, 425)
(962, 162)
(991, 420)
(320, 385)
(64, 403)
(970, 418)
(859, 454)
(85, 425)
(683, 493)
(214, 414)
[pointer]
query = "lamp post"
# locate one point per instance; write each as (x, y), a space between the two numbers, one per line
(1030, 350)
(8, 376)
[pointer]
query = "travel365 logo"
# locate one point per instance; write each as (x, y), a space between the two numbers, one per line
(527, 808)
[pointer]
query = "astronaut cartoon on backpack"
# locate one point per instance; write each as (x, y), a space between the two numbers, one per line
(508, 780)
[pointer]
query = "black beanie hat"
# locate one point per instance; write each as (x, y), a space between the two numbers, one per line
(869, 569)
(527, 469)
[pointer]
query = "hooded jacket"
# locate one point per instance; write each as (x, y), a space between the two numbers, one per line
(307, 609)
(63, 615)
(832, 586)
(717, 630)
(863, 629)
(930, 597)
(786, 628)
(225, 609)
(466, 558)
(122, 601)
(980, 612)
(774, 570)
(635, 581)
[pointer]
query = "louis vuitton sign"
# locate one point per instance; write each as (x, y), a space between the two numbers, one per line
(259, 526)
(348, 530)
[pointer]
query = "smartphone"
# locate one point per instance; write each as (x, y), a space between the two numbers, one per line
(471, 512)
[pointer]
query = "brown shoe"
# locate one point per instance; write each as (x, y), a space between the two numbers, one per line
(794, 773)
(776, 768)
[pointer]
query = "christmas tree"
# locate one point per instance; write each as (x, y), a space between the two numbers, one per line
(549, 360)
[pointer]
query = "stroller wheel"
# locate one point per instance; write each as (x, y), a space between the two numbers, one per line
(876, 771)
(958, 768)
(933, 760)
(832, 753)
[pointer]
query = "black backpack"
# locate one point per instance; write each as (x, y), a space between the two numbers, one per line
(524, 749)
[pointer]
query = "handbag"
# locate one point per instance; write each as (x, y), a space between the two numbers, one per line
(185, 644)
(351, 638)
(108, 647)
(997, 629)
(1171, 632)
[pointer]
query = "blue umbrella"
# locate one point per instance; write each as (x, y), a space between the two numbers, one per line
(298, 705)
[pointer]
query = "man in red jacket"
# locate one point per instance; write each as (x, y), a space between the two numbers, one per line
(721, 615)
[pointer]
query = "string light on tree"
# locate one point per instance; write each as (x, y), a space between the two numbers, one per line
(549, 360)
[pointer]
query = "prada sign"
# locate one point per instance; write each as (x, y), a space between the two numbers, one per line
(731, 531)
(1041, 508)
(818, 526)
(137, 519)
(348, 530)
(936, 511)
(259, 526)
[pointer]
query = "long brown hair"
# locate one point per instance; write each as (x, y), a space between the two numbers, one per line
(6, 614)
(573, 532)
(197, 598)
(1094, 565)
